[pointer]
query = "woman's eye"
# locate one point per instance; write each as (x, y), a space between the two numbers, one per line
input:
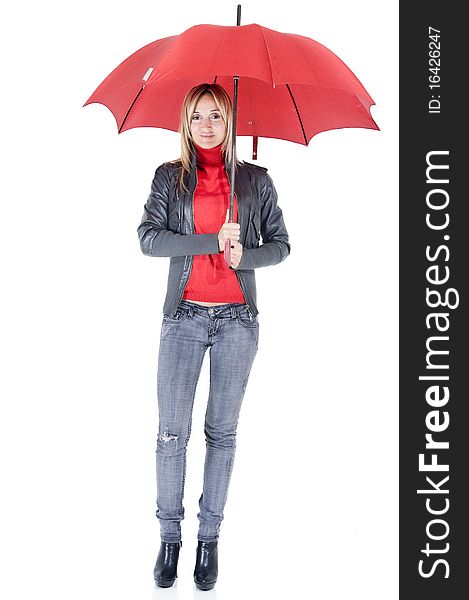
(212, 117)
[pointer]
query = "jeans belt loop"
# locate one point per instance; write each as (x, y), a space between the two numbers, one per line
(190, 311)
(234, 312)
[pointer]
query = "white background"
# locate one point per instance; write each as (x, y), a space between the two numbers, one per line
(312, 509)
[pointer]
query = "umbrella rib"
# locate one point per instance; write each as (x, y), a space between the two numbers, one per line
(130, 108)
(298, 114)
(268, 54)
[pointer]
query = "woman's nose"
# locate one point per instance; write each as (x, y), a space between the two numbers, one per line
(206, 123)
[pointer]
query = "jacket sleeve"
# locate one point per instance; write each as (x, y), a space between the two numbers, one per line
(275, 246)
(155, 237)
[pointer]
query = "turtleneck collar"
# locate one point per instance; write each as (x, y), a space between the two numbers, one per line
(209, 156)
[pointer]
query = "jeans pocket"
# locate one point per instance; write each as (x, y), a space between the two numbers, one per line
(177, 318)
(246, 319)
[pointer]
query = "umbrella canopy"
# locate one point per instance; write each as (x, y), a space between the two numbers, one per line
(290, 86)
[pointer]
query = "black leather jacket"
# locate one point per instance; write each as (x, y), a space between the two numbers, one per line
(167, 228)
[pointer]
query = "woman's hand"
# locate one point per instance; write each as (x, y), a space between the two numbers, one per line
(228, 231)
(236, 254)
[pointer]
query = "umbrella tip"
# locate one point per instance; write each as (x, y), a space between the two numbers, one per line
(238, 15)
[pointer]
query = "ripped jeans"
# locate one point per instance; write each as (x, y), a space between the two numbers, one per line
(231, 333)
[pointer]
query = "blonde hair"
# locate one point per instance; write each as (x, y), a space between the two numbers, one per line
(223, 103)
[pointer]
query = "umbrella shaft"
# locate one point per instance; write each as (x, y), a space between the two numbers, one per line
(233, 132)
(233, 145)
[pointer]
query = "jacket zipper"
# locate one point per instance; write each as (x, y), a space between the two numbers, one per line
(238, 275)
(191, 223)
(246, 296)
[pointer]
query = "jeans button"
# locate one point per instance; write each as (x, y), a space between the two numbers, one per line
(211, 311)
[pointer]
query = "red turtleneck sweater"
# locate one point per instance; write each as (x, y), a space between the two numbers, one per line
(211, 279)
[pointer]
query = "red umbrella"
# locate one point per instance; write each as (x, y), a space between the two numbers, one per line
(290, 86)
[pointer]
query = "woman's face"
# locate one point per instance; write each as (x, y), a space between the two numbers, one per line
(207, 124)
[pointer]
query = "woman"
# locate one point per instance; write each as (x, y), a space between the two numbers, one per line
(208, 305)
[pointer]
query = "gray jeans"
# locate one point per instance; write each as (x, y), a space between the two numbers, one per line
(231, 333)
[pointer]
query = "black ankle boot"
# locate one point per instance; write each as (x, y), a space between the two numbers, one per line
(206, 565)
(165, 571)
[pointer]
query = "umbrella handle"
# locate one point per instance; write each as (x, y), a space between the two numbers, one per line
(228, 244)
(228, 252)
